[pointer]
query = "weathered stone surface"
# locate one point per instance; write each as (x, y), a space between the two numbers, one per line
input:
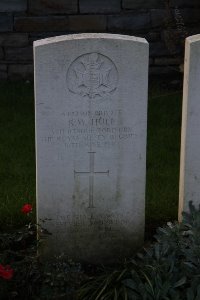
(6, 22)
(53, 6)
(14, 39)
(99, 6)
(91, 113)
(40, 24)
(13, 5)
(3, 72)
(19, 72)
(87, 23)
(19, 54)
(142, 4)
(190, 140)
(129, 23)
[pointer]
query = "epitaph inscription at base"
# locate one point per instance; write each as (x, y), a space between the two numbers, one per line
(91, 113)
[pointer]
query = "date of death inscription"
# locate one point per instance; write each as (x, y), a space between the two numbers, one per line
(79, 129)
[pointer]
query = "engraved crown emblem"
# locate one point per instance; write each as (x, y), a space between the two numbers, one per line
(92, 75)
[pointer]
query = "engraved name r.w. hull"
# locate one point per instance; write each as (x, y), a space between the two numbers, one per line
(92, 75)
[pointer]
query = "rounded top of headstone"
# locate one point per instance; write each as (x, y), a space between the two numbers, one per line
(85, 36)
(193, 38)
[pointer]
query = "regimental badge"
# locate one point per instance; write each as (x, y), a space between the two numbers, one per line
(92, 75)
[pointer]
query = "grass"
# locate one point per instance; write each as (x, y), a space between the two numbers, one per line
(163, 155)
(17, 154)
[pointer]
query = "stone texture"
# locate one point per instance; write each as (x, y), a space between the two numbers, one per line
(190, 139)
(99, 6)
(3, 72)
(53, 6)
(41, 24)
(87, 23)
(129, 23)
(20, 72)
(6, 22)
(142, 4)
(19, 54)
(91, 115)
(14, 39)
(13, 5)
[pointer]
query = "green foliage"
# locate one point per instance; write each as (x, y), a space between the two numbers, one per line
(17, 152)
(35, 279)
(18, 249)
(61, 278)
(163, 156)
(168, 269)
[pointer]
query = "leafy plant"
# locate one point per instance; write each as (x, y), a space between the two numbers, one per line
(24, 276)
(168, 269)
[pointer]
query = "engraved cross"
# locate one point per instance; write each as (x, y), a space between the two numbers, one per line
(91, 174)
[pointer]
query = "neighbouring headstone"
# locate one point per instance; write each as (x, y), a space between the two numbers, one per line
(91, 115)
(190, 140)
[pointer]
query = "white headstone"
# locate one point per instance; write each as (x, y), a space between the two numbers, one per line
(190, 139)
(91, 115)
